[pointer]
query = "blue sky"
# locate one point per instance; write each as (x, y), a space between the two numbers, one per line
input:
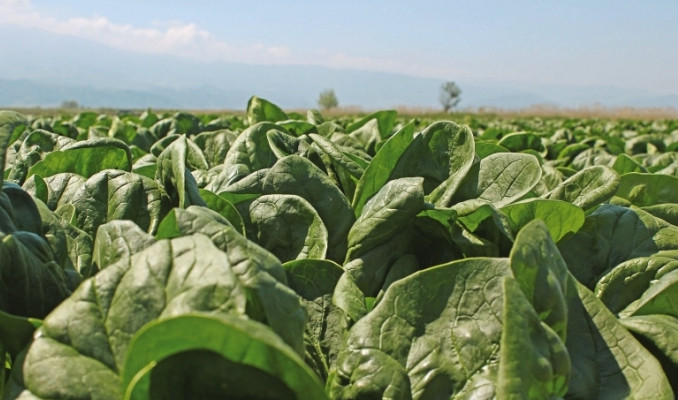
(629, 44)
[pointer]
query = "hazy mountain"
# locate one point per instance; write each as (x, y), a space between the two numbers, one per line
(44, 70)
(364, 89)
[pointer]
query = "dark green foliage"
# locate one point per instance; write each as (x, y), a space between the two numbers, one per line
(184, 256)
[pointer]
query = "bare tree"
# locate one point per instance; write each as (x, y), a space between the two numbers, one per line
(327, 99)
(449, 95)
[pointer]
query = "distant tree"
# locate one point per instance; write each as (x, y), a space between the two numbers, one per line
(69, 104)
(449, 95)
(327, 99)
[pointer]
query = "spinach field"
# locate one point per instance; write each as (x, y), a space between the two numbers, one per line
(284, 256)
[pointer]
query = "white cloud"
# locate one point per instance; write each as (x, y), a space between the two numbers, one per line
(175, 38)
(189, 40)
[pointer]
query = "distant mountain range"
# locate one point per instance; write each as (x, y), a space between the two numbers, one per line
(366, 90)
(45, 70)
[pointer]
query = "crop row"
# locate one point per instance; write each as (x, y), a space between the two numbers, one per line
(186, 257)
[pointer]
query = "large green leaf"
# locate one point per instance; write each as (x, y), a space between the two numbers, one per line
(666, 211)
(118, 240)
(25, 214)
(471, 213)
(344, 165)
(481, 229)
(203, 356)
(659, 334)
(259, 110)
(34, 147)
(625, 164)
(661, 297)
(6, 214)
(59, 185)
(89, 334)
(298, 127)
(379, 170)
(219, 204)
(542, 275)
(645, 143)
(160, 127)
(453, 147)
(385, 119)
(661, 329)
(146, 166)
(160, 145)
(172, 171)
(533, 363)
(232, 186)
(126, 131)
(85, 158)
(365, 137)
(314, 281)
(113, 194)
(560, 217)
(627, 281)
(388, 212)
(11, 123)
(257, 270)
(520, 141)
(38, 188)
(251, 148)
(283, 144)
(190, 152)
(587, 188)
(607, 361)
(16, 333)
(350, 299)
(612, 235)
(72, 247)
(434, 334)
(288, 226)
(551, 177)
(184, 123)
(648, 189)
(367, 275)
(31, 282)
(203, 176)
(299, 176)
(340, 159)
(29, 215)
(215, 145)
(485, 148)
(442, 154)
(505, 177)
(591, 157)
